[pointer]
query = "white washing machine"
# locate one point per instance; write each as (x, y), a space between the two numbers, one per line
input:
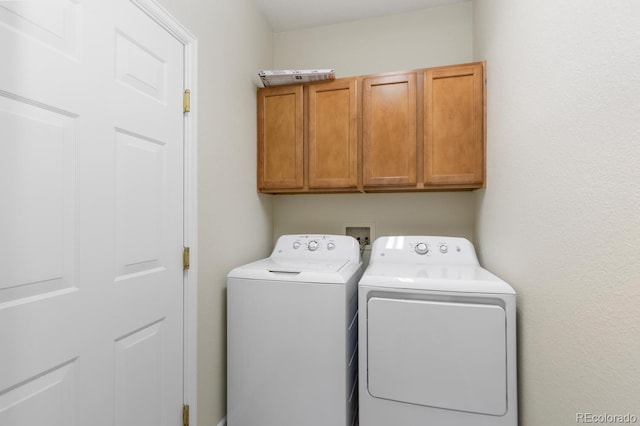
(292, 334)
(437, 337)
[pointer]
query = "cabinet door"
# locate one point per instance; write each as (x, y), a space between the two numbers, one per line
(280, 138)
(333, 148)
(389, 130)
(454, 125)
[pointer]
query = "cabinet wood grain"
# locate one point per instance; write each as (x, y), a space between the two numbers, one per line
(280, 137)
(333, 142)
(454, 125)
(389, 130)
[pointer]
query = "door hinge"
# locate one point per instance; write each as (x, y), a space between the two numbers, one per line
(186, 101)
(186, 257)
(185, 415)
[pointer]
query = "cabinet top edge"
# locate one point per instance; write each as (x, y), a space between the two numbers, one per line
(367, 76)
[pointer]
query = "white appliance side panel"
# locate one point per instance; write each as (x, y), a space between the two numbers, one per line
(438, 354)
(287, 354)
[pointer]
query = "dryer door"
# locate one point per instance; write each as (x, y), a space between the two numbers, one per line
(438, 354)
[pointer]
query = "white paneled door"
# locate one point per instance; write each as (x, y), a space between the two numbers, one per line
(91, 216)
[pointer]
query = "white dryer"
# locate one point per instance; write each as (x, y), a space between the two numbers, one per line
(437, 337)
(292, 334)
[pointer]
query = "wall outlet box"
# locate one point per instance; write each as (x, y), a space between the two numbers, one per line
(360, 233)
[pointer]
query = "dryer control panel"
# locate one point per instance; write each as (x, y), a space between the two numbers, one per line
(424, 249)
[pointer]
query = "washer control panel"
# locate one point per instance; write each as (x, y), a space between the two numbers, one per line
(317, 246)
(304, 243)
(424, 249)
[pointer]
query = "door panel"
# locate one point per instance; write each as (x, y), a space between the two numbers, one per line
(333, 135)
(454, 125)
(280, 137)
(139, 68)
(389, 130)
(47, 399)
(54, 23)
(91, 171)
(148, 182)
(39, 130)
(138, 384)
(41, 212)
(443, 355)
(139, 193)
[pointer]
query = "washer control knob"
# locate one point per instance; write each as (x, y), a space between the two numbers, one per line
(422, 248)
(443, 248)
(296, 245)
(331, 246)
(313, 245)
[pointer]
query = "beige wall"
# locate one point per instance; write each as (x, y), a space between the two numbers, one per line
(427, 38)
(235, 223)
(442, 213)
(432, 37)
(560, 218)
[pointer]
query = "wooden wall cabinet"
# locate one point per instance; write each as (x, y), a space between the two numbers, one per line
(333, 135)
(280, 138)
(307, 137)
(454, 128)
(389, 137)
(411, 131)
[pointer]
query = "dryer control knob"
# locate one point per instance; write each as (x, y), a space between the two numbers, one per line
(331, 246)
(296, 245)
(443, 248)
(313, 245)
(422, 248)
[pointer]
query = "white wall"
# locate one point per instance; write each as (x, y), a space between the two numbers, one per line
(235, 223)
(432, 37)
(560, 218)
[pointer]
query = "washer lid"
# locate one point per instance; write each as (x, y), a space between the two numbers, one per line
(300, 270)
(298, 265)
(454, 278)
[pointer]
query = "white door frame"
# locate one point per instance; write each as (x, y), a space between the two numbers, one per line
(190, 43)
